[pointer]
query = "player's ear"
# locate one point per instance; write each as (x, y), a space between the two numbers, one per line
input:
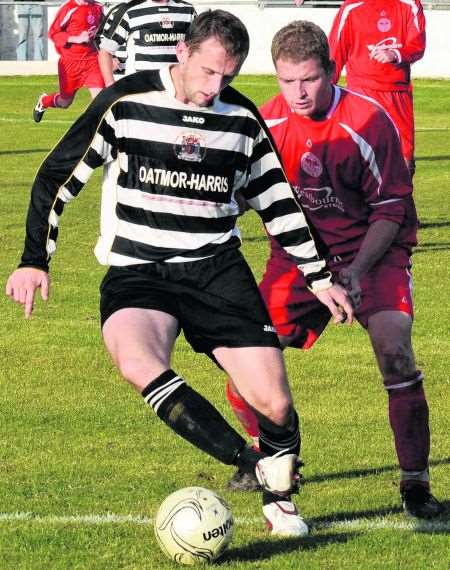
(182, 51)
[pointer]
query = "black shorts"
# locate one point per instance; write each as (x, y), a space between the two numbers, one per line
(216, 300)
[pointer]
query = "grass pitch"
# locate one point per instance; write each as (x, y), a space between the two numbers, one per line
(84, 464)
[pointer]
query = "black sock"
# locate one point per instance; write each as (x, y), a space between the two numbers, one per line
(192, 417)
(274, 438)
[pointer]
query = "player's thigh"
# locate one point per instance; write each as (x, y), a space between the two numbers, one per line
(387, 314)
(69, 80)
(137, 332)
(139, 321)
(92, 78)
(390, 335)
(386, 287)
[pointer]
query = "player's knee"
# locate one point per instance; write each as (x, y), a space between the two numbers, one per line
(276, 409)
(135, 370)
(396, 359)
(64, 103)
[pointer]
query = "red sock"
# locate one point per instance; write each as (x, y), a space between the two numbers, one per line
(244, 413)
(49, 100)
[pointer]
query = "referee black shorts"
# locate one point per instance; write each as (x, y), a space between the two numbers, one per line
(215, 300)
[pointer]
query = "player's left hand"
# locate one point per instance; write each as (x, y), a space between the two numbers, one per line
(350, 280)
(91, 32)
(298, 2)
(338, 302)
(383, 55)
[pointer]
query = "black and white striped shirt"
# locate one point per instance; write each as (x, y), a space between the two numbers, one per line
(171, 176)
(149, 32)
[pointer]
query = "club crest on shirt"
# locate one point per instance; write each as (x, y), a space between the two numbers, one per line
(384, 24)
(311, 164)
(91, 19)
(165, 21)
(190, 147)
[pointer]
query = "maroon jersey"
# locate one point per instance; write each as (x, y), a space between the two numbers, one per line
(359, 26)
(71, 19)
(347, 172)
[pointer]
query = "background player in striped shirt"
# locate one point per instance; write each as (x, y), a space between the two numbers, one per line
(73, 33)
(377, 41)
(147, 30)
(178, 145)
(340, 151)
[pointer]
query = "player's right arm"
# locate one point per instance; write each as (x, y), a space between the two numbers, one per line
(60, 178)
(22, 285)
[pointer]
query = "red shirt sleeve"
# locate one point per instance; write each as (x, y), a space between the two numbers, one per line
(386, 183)
(338, 43)
(415, 43)
(57, 32)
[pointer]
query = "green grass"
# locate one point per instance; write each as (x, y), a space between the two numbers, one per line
(76, 441)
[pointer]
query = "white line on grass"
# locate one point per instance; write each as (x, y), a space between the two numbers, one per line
(30, 120)
(379, 523)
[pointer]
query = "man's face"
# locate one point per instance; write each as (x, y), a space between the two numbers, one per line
(306, 86)
(204, 72)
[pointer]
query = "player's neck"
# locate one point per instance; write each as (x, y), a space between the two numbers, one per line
(322, 113)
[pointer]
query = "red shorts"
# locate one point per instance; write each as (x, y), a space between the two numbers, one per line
(399, 106)
(294, 310)
(76, 73)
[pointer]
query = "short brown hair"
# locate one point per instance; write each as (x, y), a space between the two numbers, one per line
(223, 26)
(299, 41)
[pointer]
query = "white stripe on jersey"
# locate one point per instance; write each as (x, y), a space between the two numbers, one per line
(367, 152)
(177, 206)
(158, 132)
(383, 202)
(345, 15)
(274, 122)
(264, 200)
(414, 9)
(168, 238)
(64, 195)
(82, 172)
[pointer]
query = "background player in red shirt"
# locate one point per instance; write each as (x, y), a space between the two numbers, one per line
(340, 153)
(377, 41)
(73, 32)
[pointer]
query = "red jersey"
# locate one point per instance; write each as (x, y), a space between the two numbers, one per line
(359, 26)
(71, 19)
(347, 171)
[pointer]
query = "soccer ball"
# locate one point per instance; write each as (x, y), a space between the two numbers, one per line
(193, 526)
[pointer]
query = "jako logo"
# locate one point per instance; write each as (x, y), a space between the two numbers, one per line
(219, 531)
(190, 119)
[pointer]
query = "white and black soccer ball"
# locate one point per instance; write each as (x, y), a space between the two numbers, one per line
(193, 526)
